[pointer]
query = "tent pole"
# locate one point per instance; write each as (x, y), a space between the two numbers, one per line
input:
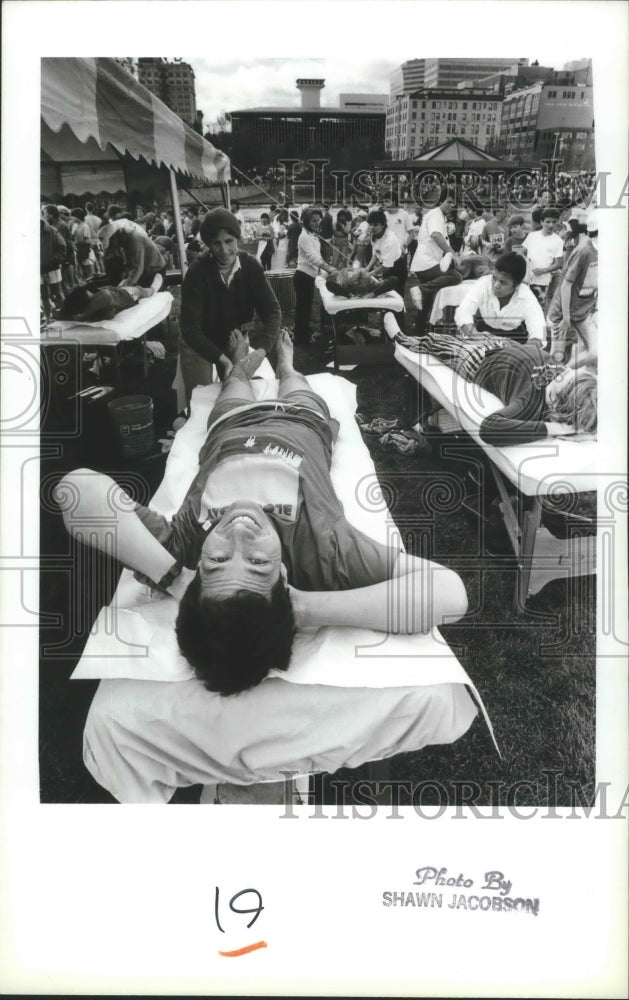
(228, 197)
(178, 227)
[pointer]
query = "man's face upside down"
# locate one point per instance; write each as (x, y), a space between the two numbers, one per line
(241, 552)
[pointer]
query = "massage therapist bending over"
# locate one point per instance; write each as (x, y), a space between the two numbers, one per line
(260, 546)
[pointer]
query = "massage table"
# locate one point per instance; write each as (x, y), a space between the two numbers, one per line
(551, 467)
(130, 324)
(350, 696)
(339, 310)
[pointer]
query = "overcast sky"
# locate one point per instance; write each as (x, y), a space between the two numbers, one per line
(231, 84)
(247, 83)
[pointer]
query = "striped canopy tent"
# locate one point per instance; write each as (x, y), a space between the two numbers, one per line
(102, 103)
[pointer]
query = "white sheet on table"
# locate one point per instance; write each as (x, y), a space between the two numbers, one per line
(127, 325)
(334, 304)
(134, 636)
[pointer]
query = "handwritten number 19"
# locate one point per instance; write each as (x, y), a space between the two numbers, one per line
(256, 910)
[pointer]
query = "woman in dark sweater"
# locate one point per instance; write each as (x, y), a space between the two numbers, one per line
(221, 291)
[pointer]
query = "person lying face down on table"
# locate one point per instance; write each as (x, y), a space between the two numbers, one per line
(260, 546)
(222, 290)
(93, 305)
(541, 399)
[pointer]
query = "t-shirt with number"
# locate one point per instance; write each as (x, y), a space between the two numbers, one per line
(279, 456)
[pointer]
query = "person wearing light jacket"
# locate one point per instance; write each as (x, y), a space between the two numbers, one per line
(309, 263)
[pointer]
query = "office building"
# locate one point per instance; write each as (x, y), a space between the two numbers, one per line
(416, 74)
(173, 83)
(264, 133)
(551, 119)
(426, 118)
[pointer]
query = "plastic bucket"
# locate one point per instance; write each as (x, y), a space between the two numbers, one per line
(133, 418)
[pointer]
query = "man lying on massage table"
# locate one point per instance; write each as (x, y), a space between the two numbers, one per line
(261, 541)
(87, 306)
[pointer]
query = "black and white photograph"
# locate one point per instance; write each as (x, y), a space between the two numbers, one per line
(311, 502)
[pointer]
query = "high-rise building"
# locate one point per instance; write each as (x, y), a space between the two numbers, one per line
(446, 73)
(409, 76)
(173, 83)
(554, 118)
(429, 117)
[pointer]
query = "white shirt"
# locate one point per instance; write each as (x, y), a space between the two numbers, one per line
(428, 254)
(541, 252)
(523, 307)
(387, 249)
(309, 258)
(400, 223)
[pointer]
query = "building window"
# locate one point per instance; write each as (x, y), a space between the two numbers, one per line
(465, 105)
(474, 106)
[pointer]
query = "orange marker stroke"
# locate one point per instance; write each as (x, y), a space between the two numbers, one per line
(244, 951)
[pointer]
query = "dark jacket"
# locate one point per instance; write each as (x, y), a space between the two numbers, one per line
(210, 310)
(52, 248)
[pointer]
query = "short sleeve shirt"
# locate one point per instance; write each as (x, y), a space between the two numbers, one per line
(542, 251)
(387, 249)
(320, 548)
(428, 254)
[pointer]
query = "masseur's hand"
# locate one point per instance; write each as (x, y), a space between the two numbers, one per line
(224, 366)
(469, 332)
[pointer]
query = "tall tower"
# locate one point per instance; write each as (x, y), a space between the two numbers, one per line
(310, 92)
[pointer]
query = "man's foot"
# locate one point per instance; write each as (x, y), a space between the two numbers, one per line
(237, 345)
(285, 354)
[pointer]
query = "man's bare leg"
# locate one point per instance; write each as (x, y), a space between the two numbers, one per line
(290, 379)
(237, 385)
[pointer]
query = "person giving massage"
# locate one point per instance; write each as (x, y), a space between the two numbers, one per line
(260, 546)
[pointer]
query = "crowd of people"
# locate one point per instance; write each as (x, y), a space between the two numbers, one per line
(529, 276)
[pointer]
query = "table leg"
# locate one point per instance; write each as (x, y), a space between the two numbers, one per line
(532, 520)
(145, 360)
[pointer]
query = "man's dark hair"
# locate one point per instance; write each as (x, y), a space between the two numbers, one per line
(549, 213)
(512, 264)
(377, 217)
(52, 212)
(232, 644)
(75, 302)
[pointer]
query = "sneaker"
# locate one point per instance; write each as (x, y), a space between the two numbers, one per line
(445, 262)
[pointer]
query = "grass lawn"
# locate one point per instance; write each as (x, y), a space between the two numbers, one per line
(535, 673)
